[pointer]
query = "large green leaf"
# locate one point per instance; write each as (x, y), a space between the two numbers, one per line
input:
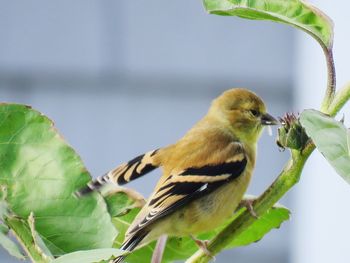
(331, 138)
(182, 248)
(88, 256)
(297, 13)
(41, 173)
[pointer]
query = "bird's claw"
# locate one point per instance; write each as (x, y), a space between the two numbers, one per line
(248, 204)
(203, 245)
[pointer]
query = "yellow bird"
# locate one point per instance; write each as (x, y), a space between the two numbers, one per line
(205, 173)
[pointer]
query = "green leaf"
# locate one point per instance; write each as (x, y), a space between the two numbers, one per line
(22, 231)
(273, 218)
(88, 256)
(4, 229)
(121, 200)
(331, 138)
(41, 173)
(182, 248)
(38, 243)
(5, 241)
(3, 205)
(297, 13)
(10, 246)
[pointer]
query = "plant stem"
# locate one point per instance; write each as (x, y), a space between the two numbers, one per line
(331, 81)
(24, 235)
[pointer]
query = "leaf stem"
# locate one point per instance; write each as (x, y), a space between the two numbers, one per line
(340, 99)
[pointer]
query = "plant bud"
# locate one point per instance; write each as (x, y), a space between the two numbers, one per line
(291, 134)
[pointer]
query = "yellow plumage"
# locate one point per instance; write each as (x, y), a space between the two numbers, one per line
(205, 173)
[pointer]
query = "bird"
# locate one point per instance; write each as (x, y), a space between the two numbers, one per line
(205, 173)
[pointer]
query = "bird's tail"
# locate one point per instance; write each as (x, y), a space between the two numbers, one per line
(130, 244)
(118, 259)
(94, 185)
(124, 173)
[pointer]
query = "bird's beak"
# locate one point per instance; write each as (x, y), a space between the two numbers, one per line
(267, 119)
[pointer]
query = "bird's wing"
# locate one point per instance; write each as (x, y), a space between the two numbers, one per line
(134, 169)
(125, 172)
(191, 183)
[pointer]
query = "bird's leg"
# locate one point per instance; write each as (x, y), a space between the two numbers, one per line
(248, 204)
(203, 245)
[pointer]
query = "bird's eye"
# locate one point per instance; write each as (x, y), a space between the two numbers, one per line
(255, 113)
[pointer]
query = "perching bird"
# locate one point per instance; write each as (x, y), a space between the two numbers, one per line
(205, 173)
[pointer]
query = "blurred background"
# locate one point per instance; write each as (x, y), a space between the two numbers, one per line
(123, 77)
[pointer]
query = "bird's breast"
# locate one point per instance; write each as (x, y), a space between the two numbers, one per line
(209, 212)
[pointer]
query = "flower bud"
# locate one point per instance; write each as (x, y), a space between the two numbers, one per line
(291, 134)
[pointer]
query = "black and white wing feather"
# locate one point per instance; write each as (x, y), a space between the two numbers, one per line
(124, 173)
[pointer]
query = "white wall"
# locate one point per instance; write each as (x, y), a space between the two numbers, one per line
(321, 216)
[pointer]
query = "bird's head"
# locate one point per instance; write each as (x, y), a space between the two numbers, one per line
(243, 111)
